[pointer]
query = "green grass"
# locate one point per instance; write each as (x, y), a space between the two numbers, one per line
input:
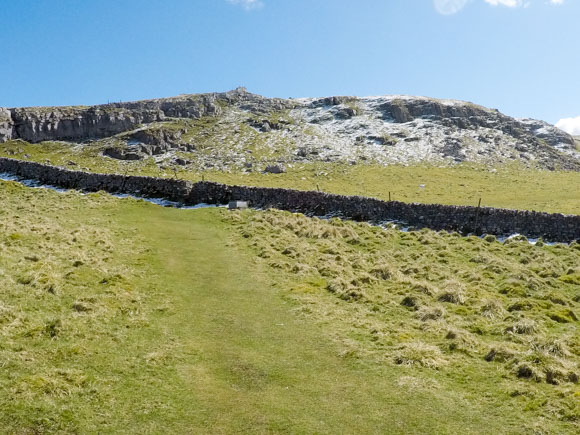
(121, 316)
(507, 186)
(497, 321)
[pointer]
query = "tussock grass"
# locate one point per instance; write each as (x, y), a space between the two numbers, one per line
(435, 300)
(68, 290)
(426, 355)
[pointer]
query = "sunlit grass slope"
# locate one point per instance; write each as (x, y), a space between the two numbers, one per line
(121, 316)
(494, 322)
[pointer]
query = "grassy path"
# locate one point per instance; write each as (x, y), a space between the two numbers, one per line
(245, 362)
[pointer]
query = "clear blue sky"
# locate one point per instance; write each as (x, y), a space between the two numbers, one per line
(520, 56)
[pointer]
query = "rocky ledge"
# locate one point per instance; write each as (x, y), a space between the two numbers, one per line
(78, 123)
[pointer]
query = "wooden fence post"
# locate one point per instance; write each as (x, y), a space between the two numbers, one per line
(477, 216)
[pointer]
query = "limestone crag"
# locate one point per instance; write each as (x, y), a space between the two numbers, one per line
(547, 132)
(37, 124)
(144, 142)
(471, 116)
(199, 105)
(405, 129)
(76, 124)
(241, 130)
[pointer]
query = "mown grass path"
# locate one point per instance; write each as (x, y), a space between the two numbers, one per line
(242, 361)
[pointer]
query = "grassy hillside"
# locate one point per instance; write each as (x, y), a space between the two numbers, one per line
(121, 316)
(497, 321)
(506, 186)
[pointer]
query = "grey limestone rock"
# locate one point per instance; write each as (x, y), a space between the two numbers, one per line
(123, 154)
(275, 169)
(383, 129)
(79, 123)
(6, 125)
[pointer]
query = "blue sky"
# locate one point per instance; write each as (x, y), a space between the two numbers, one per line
(520, 56)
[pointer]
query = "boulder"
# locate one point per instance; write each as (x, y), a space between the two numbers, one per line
(182, 162)
(275, 169)
(344, 113)
(123, 154)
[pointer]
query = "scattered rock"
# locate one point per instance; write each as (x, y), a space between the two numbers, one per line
(182, 162)
(119, 154)
(275, 169)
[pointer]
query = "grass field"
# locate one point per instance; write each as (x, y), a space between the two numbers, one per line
(506, 186)
(122, 316)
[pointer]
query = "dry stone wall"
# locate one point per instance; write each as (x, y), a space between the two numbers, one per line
(485, 220)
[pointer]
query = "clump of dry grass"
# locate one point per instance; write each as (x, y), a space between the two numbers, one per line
(528, 371)
(430, 313)
(557, 347)
(345, 289)
(426, 355)
(501, 353)
(382, 271)
(523, 326)
(492, 309)
(411, 302)
(452, 295)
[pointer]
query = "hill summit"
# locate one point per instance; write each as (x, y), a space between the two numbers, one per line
(238, 129)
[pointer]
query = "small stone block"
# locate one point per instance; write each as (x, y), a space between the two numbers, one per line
(238, 205)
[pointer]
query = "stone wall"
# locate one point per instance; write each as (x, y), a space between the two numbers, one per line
(485, 220)
(173, 190)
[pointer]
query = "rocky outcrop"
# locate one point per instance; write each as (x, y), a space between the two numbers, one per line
(420, 129)
(37, 124)
(384, 130)
(408, 109)
(329, 101)
(547, 132)
(266, 125)
(156, 136)
(77, 124)
(6, 125)
(471, 116)
(124, 154)
(275, 169)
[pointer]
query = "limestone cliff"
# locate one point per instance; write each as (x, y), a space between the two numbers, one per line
(37, 124)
